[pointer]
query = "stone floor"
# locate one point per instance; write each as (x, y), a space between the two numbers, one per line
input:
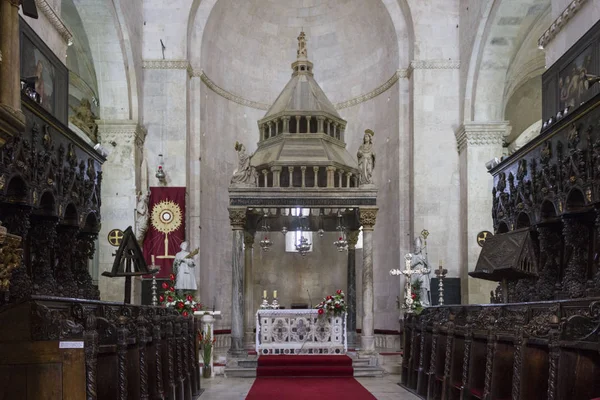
(220, 388)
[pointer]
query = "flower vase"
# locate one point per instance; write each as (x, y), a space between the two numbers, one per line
(206, 371)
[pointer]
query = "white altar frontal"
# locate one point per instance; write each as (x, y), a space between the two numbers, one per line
(300, 332)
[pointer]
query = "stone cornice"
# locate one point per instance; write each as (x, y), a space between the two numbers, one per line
(472, 134)
(560, 22)
(230, 96)
(401, 73)
(55, 20)
(194, 72)
(119, 131)
(433, 64)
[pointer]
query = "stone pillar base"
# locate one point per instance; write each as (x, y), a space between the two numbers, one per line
(367, 345)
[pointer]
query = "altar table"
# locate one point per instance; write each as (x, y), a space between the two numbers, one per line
(300, 332)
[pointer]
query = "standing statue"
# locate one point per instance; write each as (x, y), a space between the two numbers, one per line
(419, 261)
(183, 268)
(366, 159)
(244, 174)
(142, 216)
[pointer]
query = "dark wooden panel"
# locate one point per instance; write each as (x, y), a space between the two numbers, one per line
(451, 291)
(44, 381)
(13, 382)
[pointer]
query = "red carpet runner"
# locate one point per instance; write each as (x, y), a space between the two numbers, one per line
(306, 377)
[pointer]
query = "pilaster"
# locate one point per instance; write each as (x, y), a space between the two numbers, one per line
(250, 307)
(477, 144)
(124, 140)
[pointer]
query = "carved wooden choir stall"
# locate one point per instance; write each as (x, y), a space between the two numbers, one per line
(57, 340)
(543, 342)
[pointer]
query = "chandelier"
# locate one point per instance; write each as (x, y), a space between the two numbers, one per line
(265, 244)
(341, 243)
(302, 246)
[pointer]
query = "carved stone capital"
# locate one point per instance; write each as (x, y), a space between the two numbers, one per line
(352, 239)
(237, 218)
(481, 134)
(368, 216)
(121, 132)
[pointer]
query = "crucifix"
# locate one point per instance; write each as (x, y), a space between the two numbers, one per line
(441, 274)
(408, 272)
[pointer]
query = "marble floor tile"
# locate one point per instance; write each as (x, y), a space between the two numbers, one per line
(221, 388)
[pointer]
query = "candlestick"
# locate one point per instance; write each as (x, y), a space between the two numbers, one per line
(275, 294)
(152, 259)
(264, 294)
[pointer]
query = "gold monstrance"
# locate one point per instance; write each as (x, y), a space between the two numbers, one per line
(166, 218)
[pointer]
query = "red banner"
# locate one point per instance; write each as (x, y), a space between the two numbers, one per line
(166, 229)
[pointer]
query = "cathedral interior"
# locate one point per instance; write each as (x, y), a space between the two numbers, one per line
(216, 174)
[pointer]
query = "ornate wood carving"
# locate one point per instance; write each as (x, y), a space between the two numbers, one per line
(466, 357)
(448, 360)
(142, 342)
(576, 235)
(84, 251)
(550, 240)
(489, 362)
(156, 339)
(90, 339)
(64, 250)
(554, 353)
(42, 239)
(170, 354)
(517, 364)
(122, 335)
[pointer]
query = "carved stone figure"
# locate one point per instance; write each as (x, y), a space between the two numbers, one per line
(85, 119)
(183, 267)
(142, 217)
(419, 261)
(244, 174)
(366, 159)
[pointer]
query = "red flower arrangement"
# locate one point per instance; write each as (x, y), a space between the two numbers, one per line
(332, 304)
(186, 305)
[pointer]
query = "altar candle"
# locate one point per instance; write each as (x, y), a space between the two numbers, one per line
(153, 259)
(264, 294)
(274, 294)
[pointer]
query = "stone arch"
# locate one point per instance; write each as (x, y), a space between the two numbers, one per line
(523, 220)
(70, 216)
(499, 39)
(16, 190)
(47, 205)
(112, 53)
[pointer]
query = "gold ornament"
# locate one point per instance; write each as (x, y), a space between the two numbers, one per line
(166, 218)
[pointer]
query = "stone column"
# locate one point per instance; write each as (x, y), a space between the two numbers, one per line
(352, 238)
(308, 124)
(330, 176)
(270, 123)
(276, 123)
(237, 217)
(12, 120)
(276, 175)
(303, 169)
(316, 171)
(262, 132)
(265, 172)
(334, 129)
(478, 143)
(328, 128)
(297, 124)
(340, 174)
(250, 307)
(320, 121)
(286, 124)
(291, 171)
(348, 176)
(367, 339)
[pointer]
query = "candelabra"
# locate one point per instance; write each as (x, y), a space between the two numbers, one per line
(265, 304)
(154, 287)
(303, 246)
(441, 274)
(274, 304)
(265, 244)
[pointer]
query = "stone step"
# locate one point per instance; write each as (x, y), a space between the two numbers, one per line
(368, 371)
(360, 362)
(237, 372)
(248, 363)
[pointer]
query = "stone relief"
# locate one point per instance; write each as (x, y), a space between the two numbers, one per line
(366, 159)
(85, 119)
(244, 174)
(142, 217)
